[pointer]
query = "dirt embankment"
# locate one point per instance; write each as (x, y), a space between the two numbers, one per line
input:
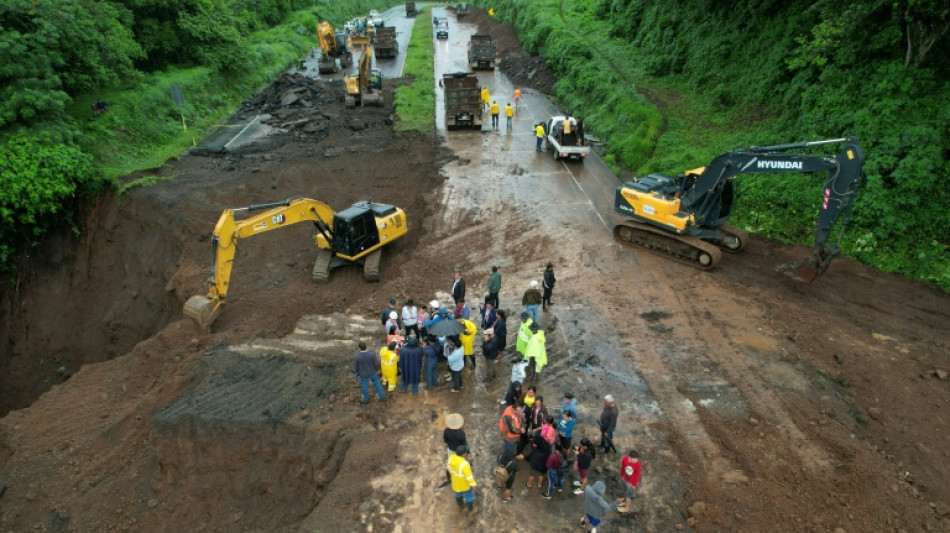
(523, 68)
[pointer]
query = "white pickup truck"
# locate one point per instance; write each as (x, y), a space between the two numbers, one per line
(375, 19)
(565, 145)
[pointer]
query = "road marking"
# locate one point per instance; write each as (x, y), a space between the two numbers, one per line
(589, 201)
(242, 131)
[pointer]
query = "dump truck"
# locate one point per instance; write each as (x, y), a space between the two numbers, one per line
(384, 42)
(411, 9)
(463, 105)
(481, 52)
(566, 145)
(462, 10)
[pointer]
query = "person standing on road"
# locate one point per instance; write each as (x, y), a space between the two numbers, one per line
(531, 299)
(511, 426)
(536, 352)
(524, 333)
(456, 359)
(517, 98)
(509, 114)
(538, 460)
(392, 322)
(501, 332)
(494, 287)
(595, 506)
(410, 318)
(366, 367)
(535, 416)
(488, 314)
(510, 463)
(585, 457)
(462, 481)
(548, 285)
(539, 133)
(410, 364)
(384, 317)
(565, 428)
(570, 405)
(608, 423)
(494, 115)
(462, 310)
(454, 435)
(389, 357)
(486, 98)
(458, 287)
(431, 354)
(630, 475)
(490, 351)
(468, 339)
(555, 463)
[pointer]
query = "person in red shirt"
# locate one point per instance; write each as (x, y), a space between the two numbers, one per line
(630, 474)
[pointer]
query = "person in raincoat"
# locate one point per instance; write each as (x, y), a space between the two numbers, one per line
(468, 339)
(462, 480)
(410, 364)
(536, 352)
(486, 98)
(524, 333)
(388, 359)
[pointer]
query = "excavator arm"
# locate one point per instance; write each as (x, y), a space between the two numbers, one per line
(228, 231)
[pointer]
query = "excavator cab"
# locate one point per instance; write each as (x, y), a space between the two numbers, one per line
(354, 229)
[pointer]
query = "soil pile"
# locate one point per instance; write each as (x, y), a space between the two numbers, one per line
(523, 68)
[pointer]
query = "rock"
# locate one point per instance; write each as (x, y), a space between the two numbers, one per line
(840, 530)
(679, 527)
(754, 421)
(152, 503)
(874, 413)
(697, 509)
(941, 374)
(691, 522)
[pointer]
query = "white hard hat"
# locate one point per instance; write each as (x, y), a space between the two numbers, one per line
(434, 303)
(393, 315)
(533, 283)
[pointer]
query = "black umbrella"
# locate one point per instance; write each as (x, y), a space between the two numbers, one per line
(445, 328)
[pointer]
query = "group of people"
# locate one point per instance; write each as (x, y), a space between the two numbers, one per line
(492, 107)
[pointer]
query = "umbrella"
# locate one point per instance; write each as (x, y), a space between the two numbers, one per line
(445, 328)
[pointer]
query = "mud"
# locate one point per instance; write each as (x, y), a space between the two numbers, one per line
(757, 404)
(523, 68)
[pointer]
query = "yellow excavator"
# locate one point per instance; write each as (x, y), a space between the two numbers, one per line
(367, 87)
(354, 235)
(333, 45)
(685, 218)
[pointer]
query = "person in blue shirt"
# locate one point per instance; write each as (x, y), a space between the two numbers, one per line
(455, 355)
(565, 429)
(570, 404)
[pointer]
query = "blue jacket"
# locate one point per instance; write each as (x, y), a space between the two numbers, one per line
(564, 426)
(431, 353)
(570, 407)
(410, 361)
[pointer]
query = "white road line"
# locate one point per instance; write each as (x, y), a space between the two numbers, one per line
(589, 201)
(242, 131)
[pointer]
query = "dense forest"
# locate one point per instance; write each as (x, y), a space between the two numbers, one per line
(671, 83)
(59, 56)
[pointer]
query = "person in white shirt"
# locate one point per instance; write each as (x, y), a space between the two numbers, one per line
(410, 318)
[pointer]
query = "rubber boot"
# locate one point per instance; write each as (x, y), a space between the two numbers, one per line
(470, 506)
(460, 503)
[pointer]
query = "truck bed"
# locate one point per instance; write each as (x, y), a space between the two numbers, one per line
(564, 146)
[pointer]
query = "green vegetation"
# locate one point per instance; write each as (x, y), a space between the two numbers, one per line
(415, 101)
(62, 55)
(671, 84)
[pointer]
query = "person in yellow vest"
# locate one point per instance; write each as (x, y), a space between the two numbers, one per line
(524, 333)
(539, 133)
(388, 358)
(509, 113)
(486, 98)
(467, 338)
(491, 12)
(462, 480)
(494, 115)
(536, 352)
(566, 128)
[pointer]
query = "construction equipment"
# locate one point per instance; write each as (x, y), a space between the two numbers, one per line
(462, 10)
(367, 87)
(358, 32)
(354, 235)
(686, 217)
(568, 145)
(385, 43)
(463, 104)
(411, 9)
(481, 52)
(335, 53)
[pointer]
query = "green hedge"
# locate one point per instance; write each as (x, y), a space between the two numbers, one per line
(415, 101)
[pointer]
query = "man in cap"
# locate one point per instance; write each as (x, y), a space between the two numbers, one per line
(462, 480)
(531, 300)
(524, 333)
(490, 351)
(608, 423)
(548, 285)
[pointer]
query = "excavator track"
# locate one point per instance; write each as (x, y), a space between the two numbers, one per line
(735, 239)
(371, 266)
(321, 267)
(683, 248)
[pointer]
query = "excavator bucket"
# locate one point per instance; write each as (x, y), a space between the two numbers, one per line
(810, 268)
(203, 310)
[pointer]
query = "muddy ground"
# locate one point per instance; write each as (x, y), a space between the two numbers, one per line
(759, 404)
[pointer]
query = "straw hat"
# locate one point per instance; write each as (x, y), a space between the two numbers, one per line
(454, 421)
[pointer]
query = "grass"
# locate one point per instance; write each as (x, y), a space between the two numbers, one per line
(415, 101)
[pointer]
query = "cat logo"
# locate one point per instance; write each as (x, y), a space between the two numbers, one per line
(278, 219)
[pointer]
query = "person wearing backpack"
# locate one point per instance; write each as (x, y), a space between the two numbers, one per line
(505, 472)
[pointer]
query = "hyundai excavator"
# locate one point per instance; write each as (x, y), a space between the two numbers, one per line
(367, 87)
(333, 45)
(354, 235)
(685, 218)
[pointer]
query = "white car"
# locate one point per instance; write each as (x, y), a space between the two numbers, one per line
(375, 19)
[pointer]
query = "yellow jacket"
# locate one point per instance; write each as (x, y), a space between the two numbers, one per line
(539, 131)
(388, 357)
(494, 109)
(461, 473)
(509, 111)
(537, 351)
(524, 335)
(468, 336)
(486, 96)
